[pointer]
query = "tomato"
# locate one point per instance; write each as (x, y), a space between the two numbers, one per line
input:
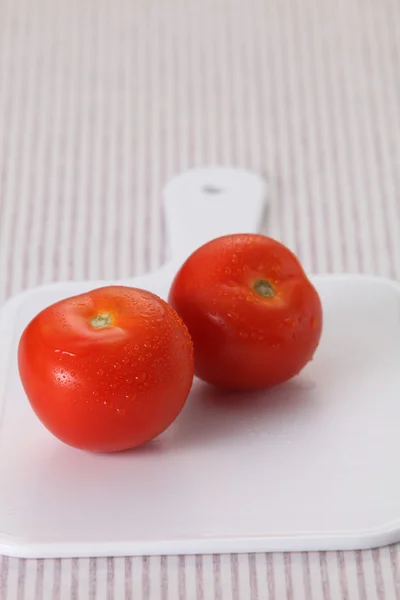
(107, 370)
(254, 317)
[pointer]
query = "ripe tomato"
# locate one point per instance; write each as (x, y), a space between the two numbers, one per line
(107, 370)
(254, 317)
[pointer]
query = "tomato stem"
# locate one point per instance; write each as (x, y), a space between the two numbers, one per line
(101, 320)
(263, 288)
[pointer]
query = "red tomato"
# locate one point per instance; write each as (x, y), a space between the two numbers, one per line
(107, 370)
(254, 317)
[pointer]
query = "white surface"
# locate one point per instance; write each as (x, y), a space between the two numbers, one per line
(310, 465)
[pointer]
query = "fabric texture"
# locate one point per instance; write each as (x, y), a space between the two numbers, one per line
(101, 102)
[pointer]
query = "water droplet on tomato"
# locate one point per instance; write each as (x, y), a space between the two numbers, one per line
(117, 365)
(100, 372)
(140, 377)
(288, 322)
(121, 412)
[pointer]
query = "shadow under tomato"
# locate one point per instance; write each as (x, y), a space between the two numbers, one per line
(212, 415)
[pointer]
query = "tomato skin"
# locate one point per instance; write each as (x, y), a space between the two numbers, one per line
(112, 388)
(241, 339)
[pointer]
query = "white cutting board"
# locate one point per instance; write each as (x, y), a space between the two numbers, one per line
(309, 465)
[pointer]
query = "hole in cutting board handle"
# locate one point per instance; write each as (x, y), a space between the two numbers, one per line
(204, 203)
(212, 189)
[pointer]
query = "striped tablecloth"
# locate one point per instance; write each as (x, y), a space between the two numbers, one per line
(101, 101)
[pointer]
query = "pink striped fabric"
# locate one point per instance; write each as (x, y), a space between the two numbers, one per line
(101, 102)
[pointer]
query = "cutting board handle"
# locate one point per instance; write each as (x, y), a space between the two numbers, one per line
(205, 203)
